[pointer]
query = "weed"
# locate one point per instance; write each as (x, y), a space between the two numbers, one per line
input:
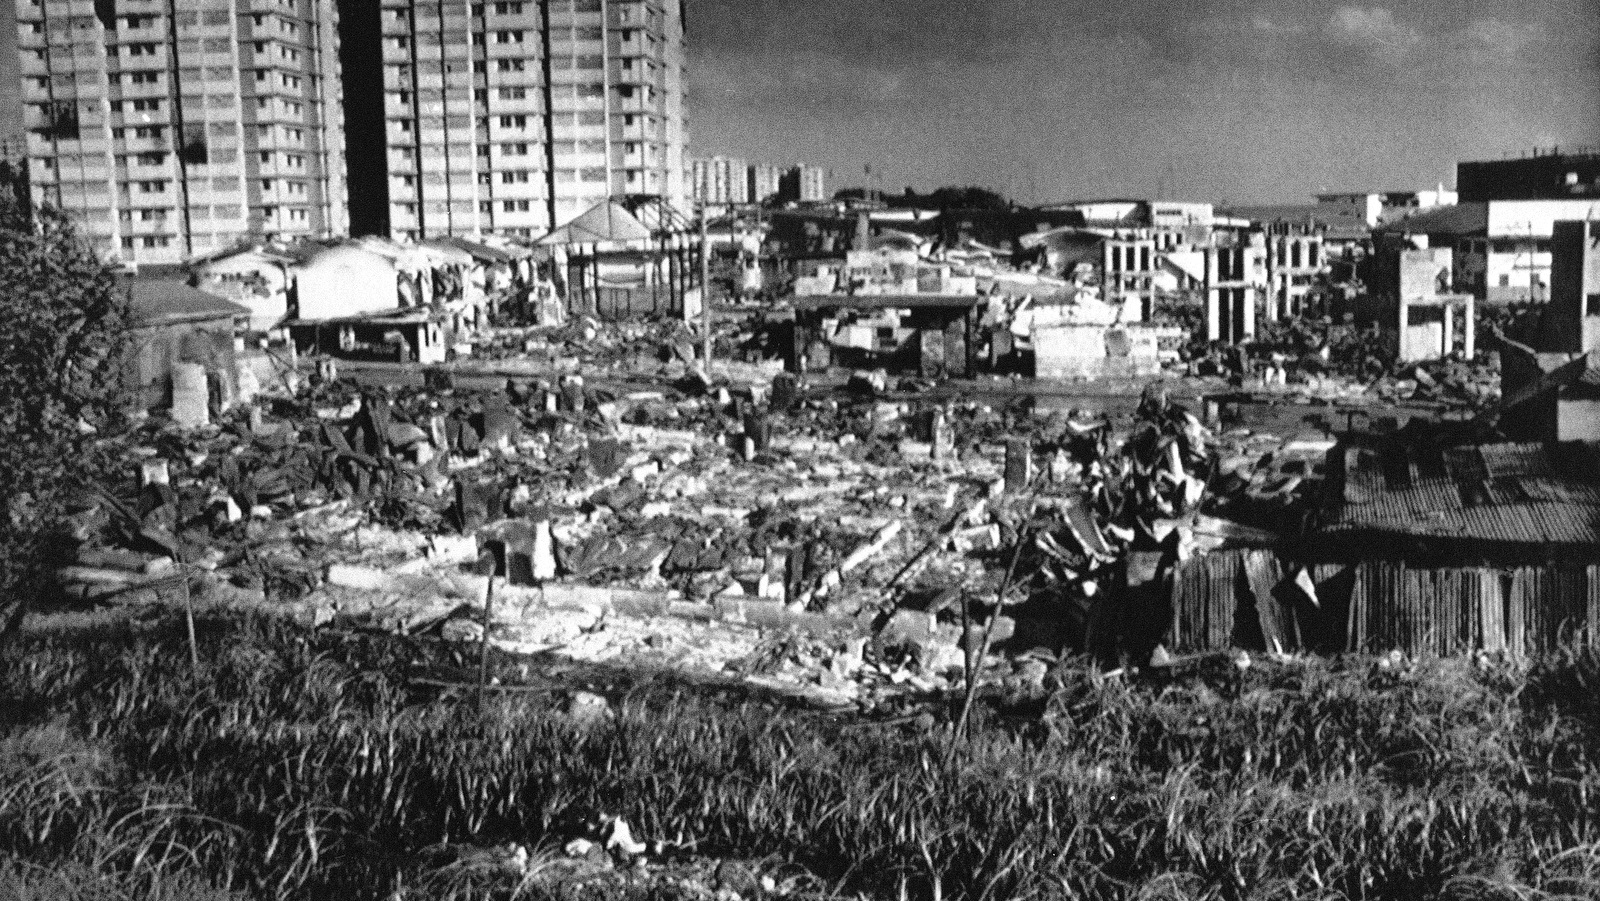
(295, 764)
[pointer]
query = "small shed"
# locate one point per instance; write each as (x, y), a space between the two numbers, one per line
(615, 266)
(172, 323)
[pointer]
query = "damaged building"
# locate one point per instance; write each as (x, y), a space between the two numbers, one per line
(1552, 383)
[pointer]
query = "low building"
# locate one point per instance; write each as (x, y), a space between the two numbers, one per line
(1410, 300)
(1502, 247)
(396, 336)
(1551, 386)
(255, 276)
(1375, 208)
(173, 323)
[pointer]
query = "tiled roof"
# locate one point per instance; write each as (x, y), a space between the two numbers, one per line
(160, 301)
(1510, 493)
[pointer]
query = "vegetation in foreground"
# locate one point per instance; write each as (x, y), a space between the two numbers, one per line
(296, 764)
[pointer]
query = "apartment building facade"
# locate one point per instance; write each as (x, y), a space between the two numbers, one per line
(517, 117)
(173, 128)
(766, 182)
(720, 181)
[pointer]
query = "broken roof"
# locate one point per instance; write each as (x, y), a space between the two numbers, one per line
(1576, 375)
(480, 252)
(1515, 494)
(1460, 219)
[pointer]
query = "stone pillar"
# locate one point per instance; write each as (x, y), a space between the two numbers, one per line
(1470, 328)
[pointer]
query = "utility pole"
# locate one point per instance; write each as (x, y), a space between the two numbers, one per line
(705, 290)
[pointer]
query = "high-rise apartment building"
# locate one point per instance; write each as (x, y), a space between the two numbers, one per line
(516, 117)
(766, 182)
(812, 183)
(721, 181)
(171, 128)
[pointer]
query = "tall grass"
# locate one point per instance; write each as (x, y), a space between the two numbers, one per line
(296, 765)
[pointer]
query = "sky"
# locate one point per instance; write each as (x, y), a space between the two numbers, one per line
(1210, 100)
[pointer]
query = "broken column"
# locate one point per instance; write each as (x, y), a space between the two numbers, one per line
(572, 393)
(758, 432)
(1019, 465)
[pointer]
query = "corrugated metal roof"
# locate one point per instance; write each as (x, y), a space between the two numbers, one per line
(1513, 493)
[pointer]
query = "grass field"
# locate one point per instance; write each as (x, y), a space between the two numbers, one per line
(296, 764)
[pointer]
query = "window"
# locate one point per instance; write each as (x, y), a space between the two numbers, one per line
(513, 121)
(516, 206)
(1591, 305)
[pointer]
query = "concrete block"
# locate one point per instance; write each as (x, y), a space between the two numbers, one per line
(190, 406)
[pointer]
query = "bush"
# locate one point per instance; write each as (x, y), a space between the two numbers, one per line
(61, 350)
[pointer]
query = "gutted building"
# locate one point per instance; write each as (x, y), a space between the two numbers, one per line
(1551, 386)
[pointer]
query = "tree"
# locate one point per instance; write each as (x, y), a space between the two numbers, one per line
(63, 328)
(954, 197)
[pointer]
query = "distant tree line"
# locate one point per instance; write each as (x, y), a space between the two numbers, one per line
(962, 197)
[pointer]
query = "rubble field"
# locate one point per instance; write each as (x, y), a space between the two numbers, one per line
(854, 541)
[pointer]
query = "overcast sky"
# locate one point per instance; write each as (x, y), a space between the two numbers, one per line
(1205, 99)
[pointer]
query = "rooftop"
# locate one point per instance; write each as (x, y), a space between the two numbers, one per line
(884, 301)
(1516, 494)
(1460, 219)
(167, 301)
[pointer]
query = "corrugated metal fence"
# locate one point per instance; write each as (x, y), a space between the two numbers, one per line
(1252, 599)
